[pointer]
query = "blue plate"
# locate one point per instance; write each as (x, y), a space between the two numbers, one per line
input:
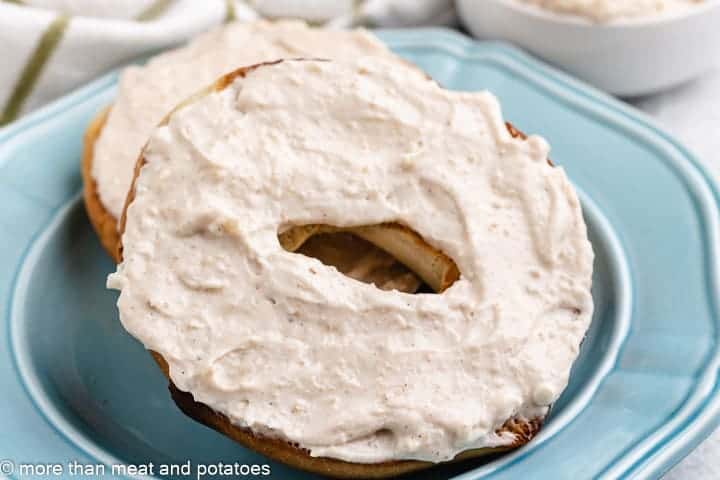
(76, 387)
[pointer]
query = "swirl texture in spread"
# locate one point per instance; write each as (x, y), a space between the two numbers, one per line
(290, 348)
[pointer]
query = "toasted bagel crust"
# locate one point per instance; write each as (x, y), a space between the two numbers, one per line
(107, 228)
(104, 223)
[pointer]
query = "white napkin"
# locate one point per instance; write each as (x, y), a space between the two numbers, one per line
(48, 47)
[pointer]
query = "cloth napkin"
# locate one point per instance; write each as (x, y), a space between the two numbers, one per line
(49, 47)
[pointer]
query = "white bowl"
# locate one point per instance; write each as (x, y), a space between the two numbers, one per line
(626, 58)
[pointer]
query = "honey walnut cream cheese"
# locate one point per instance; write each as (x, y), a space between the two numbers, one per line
(613, 10)
(289, 347)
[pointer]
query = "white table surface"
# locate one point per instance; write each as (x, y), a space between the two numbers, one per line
(692, 114)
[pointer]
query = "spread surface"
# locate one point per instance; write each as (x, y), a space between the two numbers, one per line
(146, 93)
(289, 347)
(610, 10)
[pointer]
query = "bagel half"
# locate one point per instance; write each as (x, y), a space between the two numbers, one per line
(433, 266)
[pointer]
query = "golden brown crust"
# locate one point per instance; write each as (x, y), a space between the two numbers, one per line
(104, 223)
(276, 449)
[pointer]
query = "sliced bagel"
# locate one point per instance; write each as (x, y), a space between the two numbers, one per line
(429, 263)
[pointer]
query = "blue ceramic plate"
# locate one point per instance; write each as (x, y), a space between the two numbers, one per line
(643, 393)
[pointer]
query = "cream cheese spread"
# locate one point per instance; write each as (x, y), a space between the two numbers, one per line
(146, 93)
(291, 348)
(612, 10)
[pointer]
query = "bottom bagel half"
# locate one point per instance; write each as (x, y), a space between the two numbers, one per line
(522, 430)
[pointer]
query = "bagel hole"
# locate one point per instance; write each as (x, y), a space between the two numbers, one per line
(364, 261)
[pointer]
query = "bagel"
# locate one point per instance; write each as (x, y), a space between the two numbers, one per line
(554, 246)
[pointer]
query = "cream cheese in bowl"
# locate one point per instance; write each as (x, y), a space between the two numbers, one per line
(625, 47)
(615, 10)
